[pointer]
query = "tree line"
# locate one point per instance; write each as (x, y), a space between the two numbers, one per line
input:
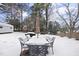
(38, 17)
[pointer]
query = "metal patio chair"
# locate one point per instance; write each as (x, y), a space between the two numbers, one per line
(24, 47)
(51, 42)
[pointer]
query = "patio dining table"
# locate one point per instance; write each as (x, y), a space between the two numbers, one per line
(37, 46)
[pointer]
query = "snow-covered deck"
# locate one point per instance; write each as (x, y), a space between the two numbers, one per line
(63, 46)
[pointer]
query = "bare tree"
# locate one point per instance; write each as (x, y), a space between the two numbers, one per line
(72, 18)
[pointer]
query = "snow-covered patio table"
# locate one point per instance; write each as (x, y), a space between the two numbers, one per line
(38, 46)
(37, 41)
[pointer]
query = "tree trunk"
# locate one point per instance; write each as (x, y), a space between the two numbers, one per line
(21, 20)
(11, 10)
(71, 33)
(37, 24)
(46, 20)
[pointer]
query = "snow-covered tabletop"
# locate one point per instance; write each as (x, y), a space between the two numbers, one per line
(41, 40)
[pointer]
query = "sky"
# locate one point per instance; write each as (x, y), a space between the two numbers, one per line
(2, 17)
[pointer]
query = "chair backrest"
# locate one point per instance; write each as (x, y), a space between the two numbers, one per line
(52, 42)
(27, 37)
(53, 39)
(21, 42)
(50, 39)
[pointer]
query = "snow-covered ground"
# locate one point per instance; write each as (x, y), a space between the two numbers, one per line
(63, 46)
(9, 44)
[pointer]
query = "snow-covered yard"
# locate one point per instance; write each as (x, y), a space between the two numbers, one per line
(63, 46)
(9, 44)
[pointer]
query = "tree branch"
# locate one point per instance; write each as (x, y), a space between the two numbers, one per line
(63, 19)
(76, 19)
